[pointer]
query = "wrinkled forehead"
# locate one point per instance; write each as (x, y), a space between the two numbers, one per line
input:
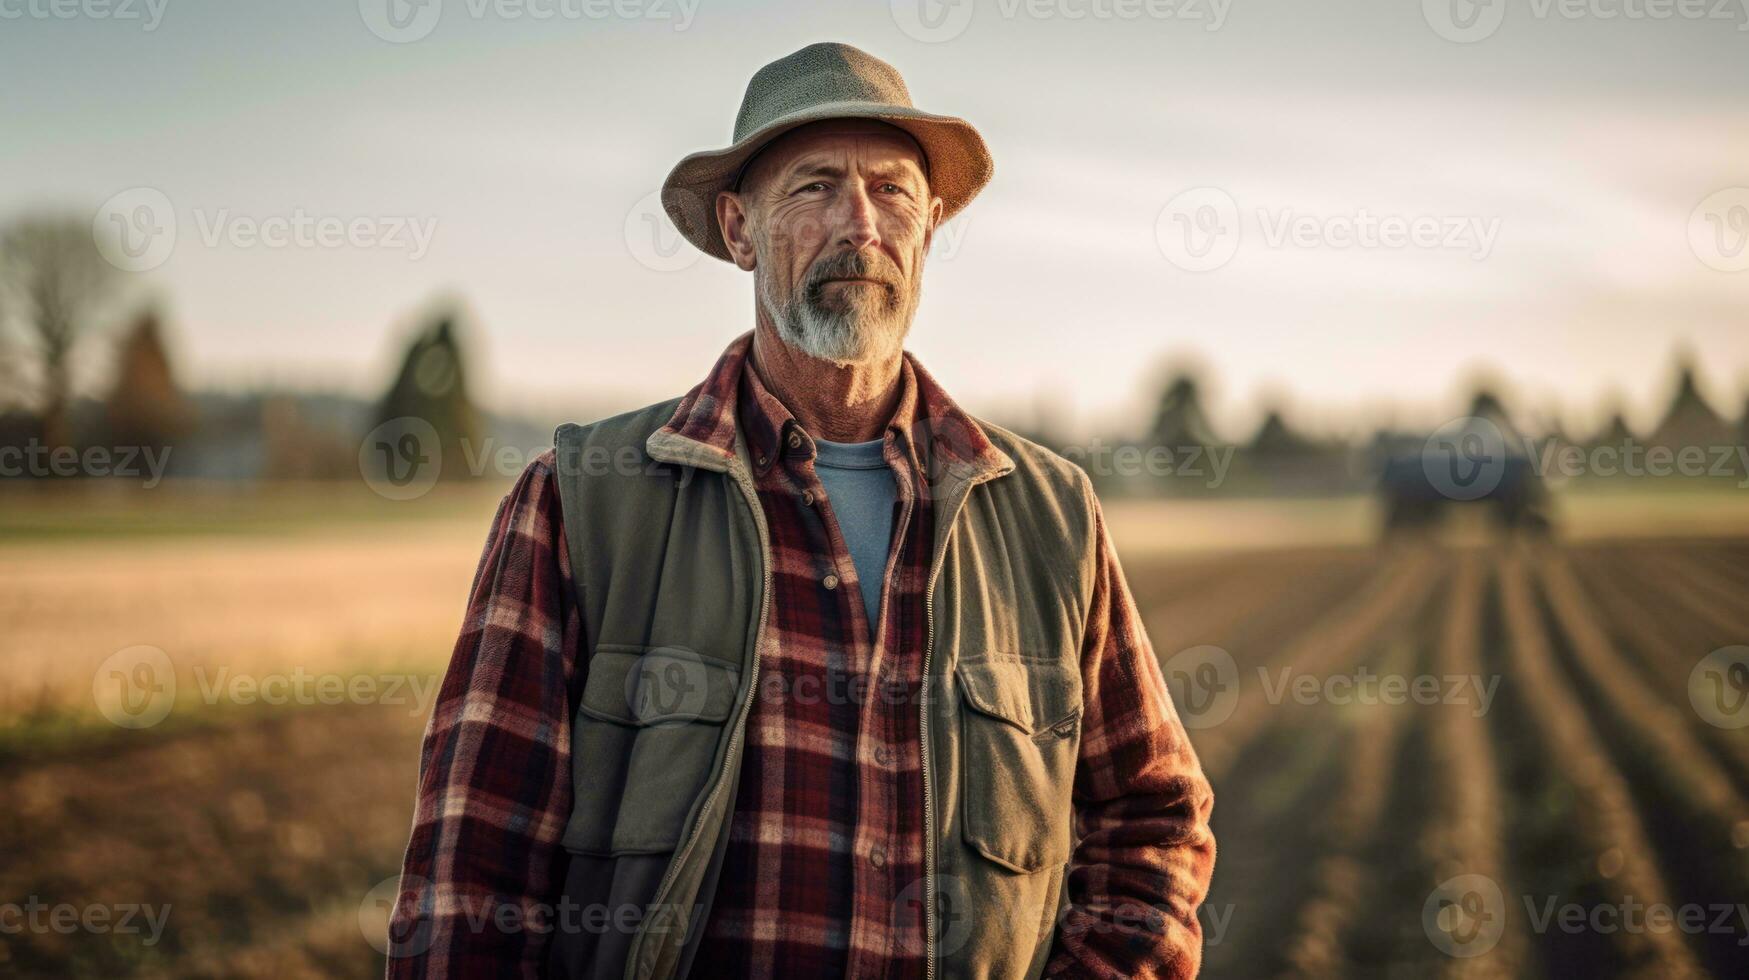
(829, 135)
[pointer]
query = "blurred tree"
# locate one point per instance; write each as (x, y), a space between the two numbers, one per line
(1276, 438)
(145, 408)
(1180, 420)
(1690, 421)
(56, 279)
(432, 387)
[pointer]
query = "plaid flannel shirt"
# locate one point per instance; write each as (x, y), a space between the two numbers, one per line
(832, 767)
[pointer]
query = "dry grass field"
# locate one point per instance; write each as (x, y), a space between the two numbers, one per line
(1563, 769)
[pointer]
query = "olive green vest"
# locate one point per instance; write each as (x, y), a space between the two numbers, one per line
(670, 555)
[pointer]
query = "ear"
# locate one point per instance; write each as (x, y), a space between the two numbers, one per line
(737, 236)
(933, 222)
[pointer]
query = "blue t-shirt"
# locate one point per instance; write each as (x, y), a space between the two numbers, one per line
(860, 488)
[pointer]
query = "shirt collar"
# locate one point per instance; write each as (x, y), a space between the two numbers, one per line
(731, 407)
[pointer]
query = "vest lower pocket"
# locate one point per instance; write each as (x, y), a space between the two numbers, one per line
(645, 746)
(1020, 734)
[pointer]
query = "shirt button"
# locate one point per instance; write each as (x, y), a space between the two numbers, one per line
(761, 461)
(830, 581)
(795, 440)
(808, 498)
(883, 756)
(878, 858)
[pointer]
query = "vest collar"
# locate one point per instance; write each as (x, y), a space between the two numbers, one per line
(706, 432)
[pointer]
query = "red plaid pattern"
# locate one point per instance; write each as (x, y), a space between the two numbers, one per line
(827, 834)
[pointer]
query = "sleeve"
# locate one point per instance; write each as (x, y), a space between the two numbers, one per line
(483, 866)
(1145, 854)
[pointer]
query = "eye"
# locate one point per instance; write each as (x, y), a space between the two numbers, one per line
(812, 187)
(889, 187)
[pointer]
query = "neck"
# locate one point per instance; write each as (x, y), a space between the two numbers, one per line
(835, 402)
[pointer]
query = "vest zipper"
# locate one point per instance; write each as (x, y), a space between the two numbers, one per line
(747, 491)
(952, 515)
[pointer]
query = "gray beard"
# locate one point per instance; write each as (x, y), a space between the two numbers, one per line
(861, 329)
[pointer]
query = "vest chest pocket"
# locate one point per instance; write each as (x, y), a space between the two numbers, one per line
(644, 746)
(1020, 735)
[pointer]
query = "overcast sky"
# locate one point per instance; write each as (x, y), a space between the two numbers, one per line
(1566, 160)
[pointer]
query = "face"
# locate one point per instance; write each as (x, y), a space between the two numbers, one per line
(834, 220)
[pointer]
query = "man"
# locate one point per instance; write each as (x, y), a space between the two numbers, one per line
(807, 672)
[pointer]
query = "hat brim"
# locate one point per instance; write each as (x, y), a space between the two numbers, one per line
(959, 165)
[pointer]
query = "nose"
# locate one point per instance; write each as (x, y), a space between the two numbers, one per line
(858, 221)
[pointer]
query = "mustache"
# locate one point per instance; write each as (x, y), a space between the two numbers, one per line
(851, 265)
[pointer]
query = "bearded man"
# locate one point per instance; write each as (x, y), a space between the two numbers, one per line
(807, 672)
